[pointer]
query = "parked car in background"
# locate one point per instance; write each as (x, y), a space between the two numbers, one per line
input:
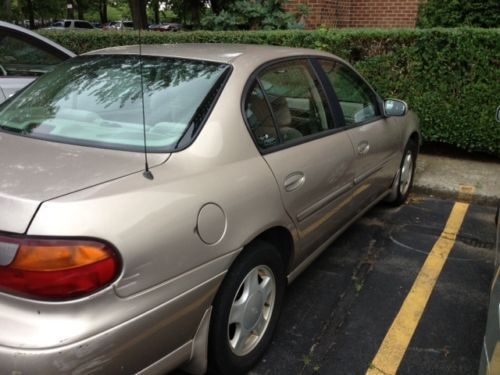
(119, 25)
(75, 25)
(24, 56)
(490, 356)
(170, 26)
(153, 208)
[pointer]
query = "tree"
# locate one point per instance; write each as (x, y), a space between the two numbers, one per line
(453, 13)
(190, 11)
(40, 10)
(6, 10)
(220, 5)
(81, 7)
(103, 11)
(155, 4)
(139, 15)
(70, 6)
(250, 15)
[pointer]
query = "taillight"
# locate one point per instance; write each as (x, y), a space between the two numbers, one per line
(55, 269)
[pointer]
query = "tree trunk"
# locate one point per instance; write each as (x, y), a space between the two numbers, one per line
(80, 12)
(31, 15)
(103, 11)
(7, 9)
(195, 12)
(139, 16)
(156, 10)
(70, 9)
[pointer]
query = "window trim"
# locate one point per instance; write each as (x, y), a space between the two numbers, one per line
(336, 109)
(254, 77)
(270, 109)
(377, 97)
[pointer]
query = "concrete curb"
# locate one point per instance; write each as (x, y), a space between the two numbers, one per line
(443, 177)
(439, 192)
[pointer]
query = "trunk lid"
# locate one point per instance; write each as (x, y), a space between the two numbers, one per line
(33, 171)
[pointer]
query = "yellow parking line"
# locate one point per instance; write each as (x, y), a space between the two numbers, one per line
(397, 339)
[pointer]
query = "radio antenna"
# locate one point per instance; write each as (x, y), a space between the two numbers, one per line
(147, 173)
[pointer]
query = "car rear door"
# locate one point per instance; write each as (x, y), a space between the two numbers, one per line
(376, 139)
(291, 121)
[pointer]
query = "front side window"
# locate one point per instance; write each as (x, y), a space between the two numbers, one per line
(299, 107)
(358, 102)
(97, 101)
(19, 57)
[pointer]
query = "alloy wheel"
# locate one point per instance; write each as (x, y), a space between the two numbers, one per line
(251, 310)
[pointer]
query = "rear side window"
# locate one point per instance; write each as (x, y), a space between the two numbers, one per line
(358, 102)
(288, 97)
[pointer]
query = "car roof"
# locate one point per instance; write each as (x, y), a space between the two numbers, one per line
(14, 29)
(222, 53)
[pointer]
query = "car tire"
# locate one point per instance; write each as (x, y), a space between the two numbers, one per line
(246, 310)
(406, 173)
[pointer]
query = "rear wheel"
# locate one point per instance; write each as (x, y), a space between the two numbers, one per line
(246, 310)
(406, 172)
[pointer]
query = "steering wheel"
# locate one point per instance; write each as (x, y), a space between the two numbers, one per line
(3, 72)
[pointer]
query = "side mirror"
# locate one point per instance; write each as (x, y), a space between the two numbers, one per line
(394, 107)
(498, 114)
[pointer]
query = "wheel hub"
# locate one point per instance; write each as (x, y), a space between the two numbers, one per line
(253, 310)
(406, 173)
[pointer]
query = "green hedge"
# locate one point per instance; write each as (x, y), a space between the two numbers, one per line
(449, 77)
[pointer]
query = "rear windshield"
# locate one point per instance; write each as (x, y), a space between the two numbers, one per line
(98, 101)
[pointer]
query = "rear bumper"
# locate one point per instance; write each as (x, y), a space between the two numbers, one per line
(153, 342)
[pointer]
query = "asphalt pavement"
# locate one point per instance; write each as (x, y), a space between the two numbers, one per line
(338, 312)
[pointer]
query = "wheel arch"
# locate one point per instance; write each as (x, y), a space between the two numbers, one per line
(415, 137)
(281, 238)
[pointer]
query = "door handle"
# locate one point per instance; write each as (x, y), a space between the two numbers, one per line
(294, 180)
(363, 147)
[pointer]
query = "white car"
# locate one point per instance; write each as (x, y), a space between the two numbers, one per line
(24, 56)
(73, 25)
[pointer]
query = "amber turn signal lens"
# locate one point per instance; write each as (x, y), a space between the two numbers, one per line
(55, 258)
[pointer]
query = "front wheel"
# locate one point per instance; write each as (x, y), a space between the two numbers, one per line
(406, 172)
(246, 310)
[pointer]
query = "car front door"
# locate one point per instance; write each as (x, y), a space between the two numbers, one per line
(376, 139)
(292, 125)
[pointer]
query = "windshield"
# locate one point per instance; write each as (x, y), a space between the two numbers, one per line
(97, 101)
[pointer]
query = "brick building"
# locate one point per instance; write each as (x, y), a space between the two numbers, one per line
(358, 13)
